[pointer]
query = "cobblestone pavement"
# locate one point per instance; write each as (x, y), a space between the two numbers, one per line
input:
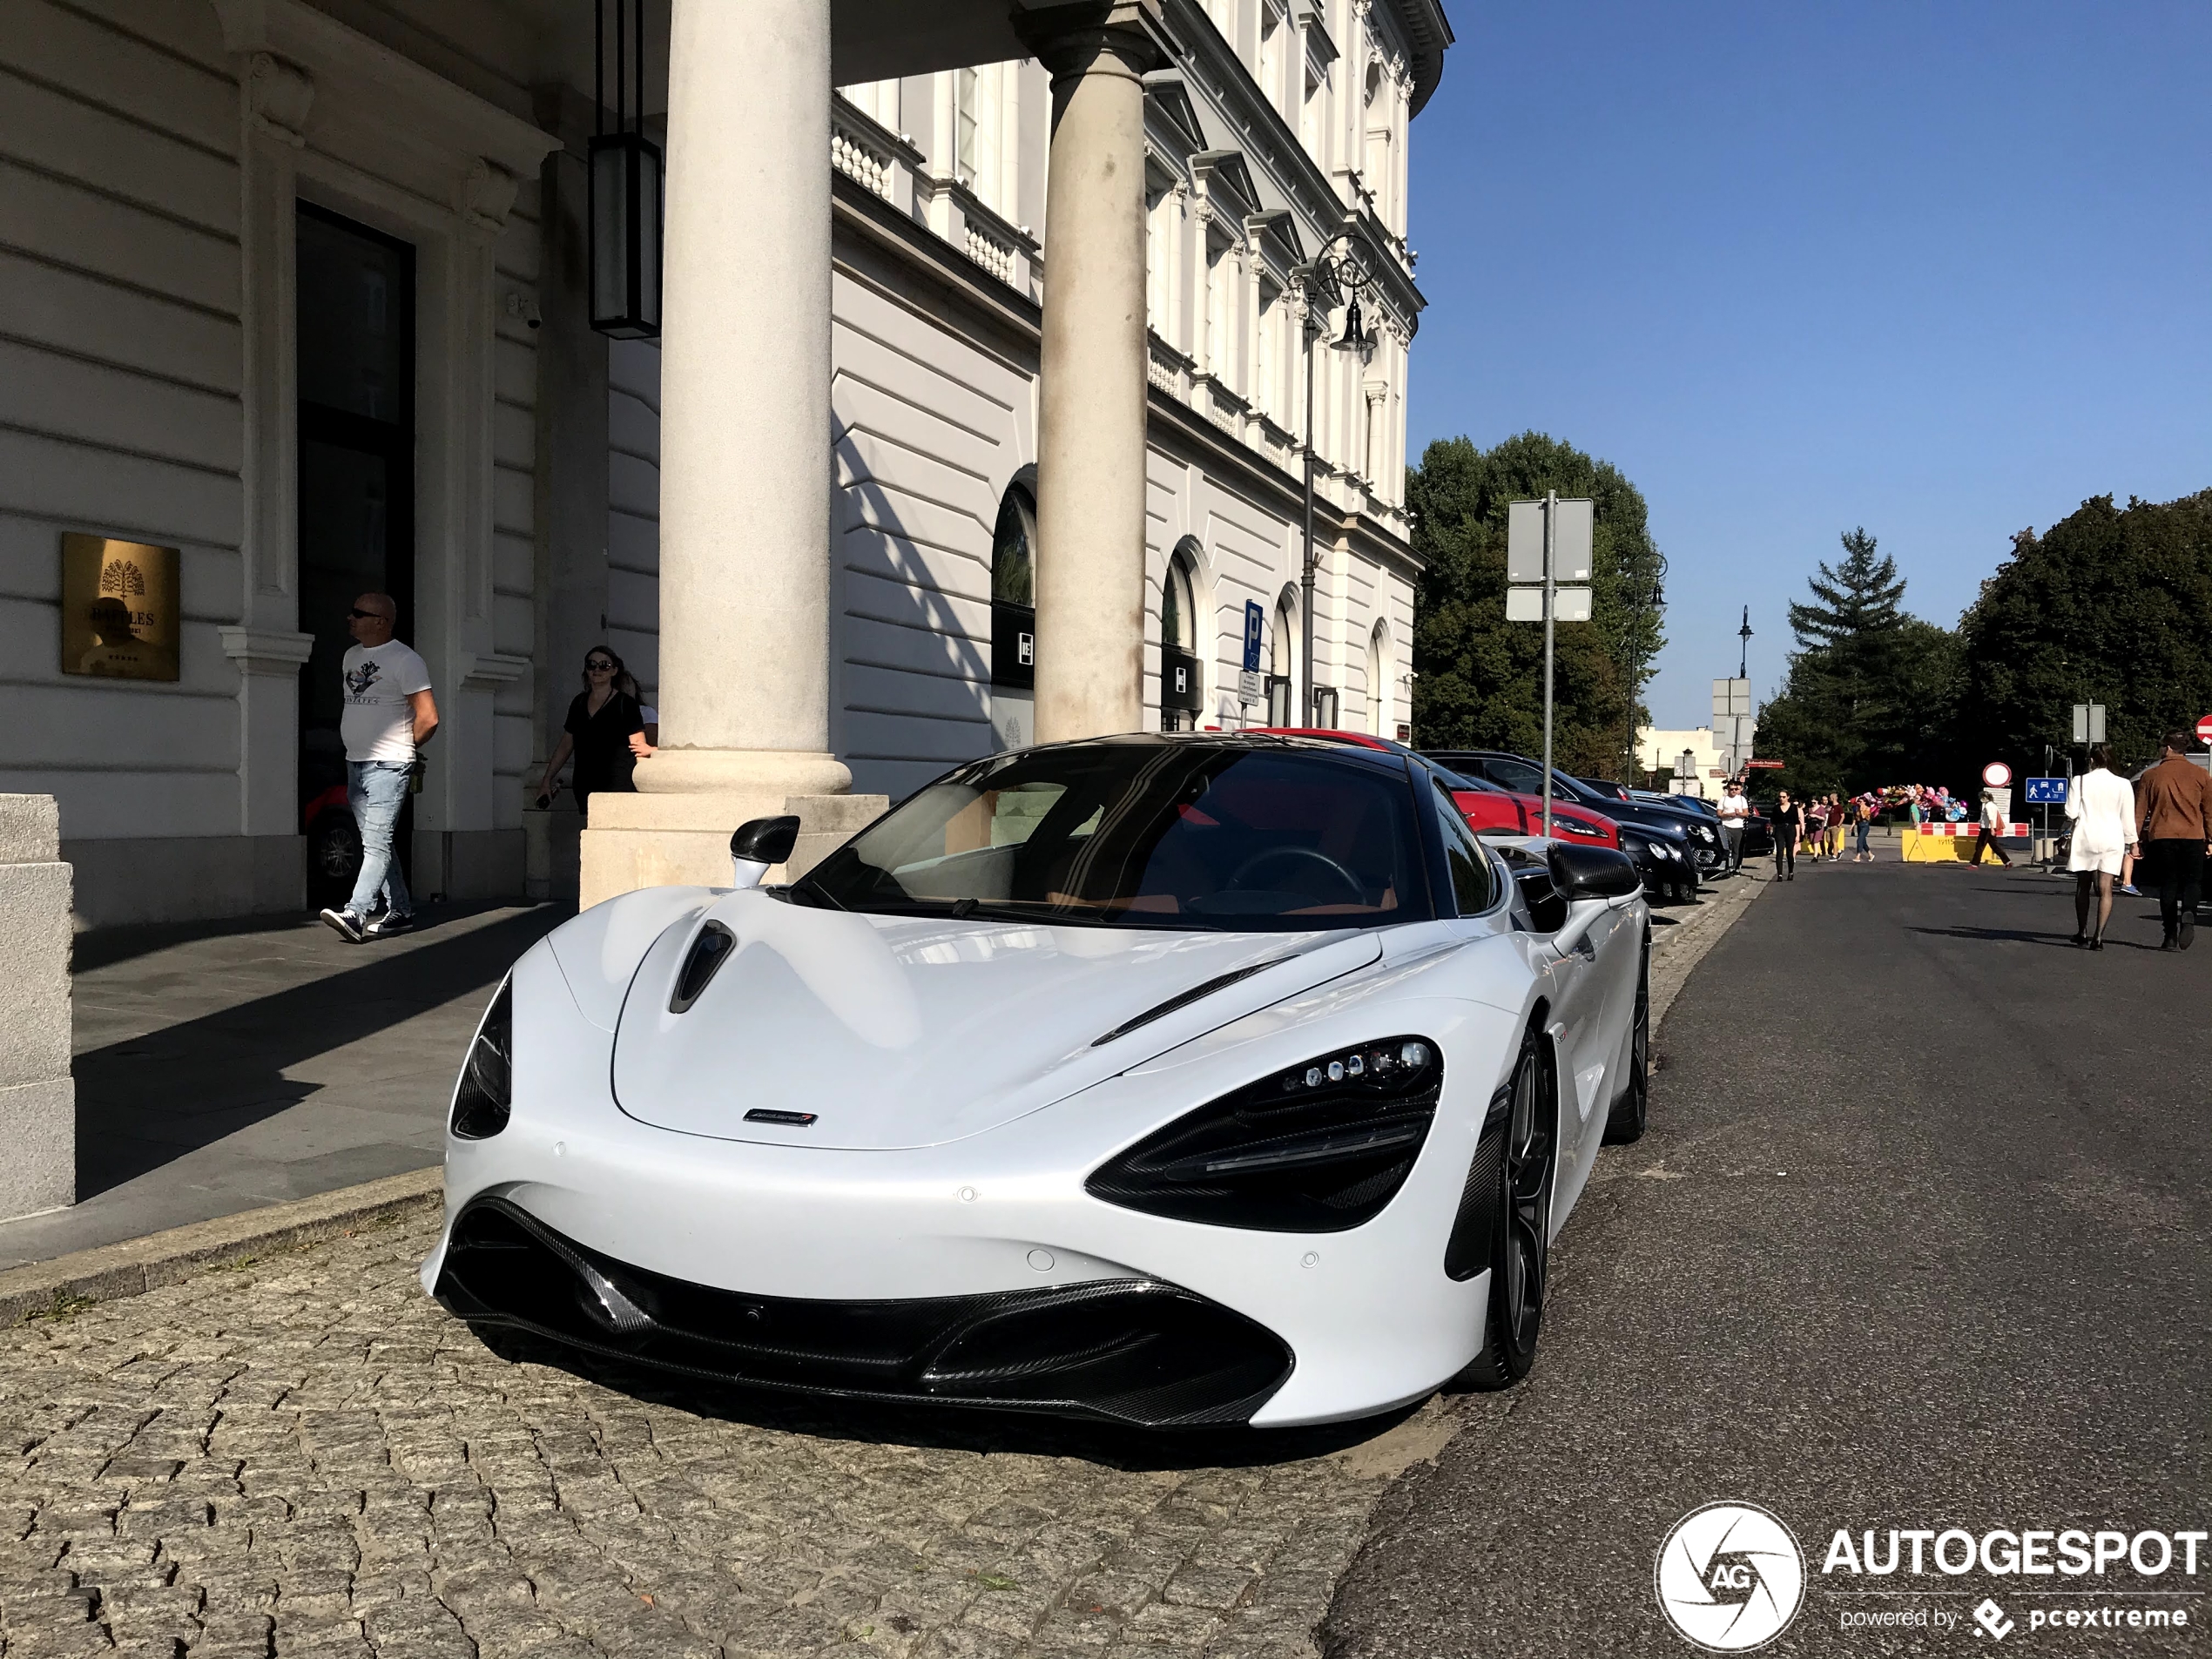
(308, 1456)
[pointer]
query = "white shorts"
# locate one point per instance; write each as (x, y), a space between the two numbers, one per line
(2105, 863)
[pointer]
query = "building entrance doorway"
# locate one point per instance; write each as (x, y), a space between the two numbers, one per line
(1014, 616)
(357, 484)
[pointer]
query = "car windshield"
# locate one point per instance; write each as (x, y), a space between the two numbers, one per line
(1162, 834)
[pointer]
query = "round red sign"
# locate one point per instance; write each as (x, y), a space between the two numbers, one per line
(2204, 730)
(1997, 774)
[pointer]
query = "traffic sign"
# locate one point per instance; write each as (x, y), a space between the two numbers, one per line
(2045, 791)
(1997, 774)
(1255, 621)
(1763, 765)
(2204, 730)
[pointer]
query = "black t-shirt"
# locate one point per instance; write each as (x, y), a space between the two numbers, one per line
(602, 756)
(1789, 821)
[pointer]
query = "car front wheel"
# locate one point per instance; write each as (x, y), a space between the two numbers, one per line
(1521, 1234)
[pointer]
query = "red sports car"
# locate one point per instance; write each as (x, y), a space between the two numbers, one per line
(1482, 803)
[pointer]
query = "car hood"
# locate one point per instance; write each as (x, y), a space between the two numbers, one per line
(899, 1031)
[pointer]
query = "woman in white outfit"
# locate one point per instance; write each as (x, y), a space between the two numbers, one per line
(2102, 805)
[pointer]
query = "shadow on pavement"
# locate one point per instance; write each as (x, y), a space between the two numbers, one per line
(148, 1100)
(2001, 935)
(951, 1427)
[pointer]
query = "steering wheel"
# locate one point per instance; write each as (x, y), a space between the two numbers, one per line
(1351, 882)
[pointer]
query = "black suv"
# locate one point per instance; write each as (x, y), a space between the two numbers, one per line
(1526, 777)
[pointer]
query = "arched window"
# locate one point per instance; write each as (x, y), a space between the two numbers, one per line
(1014, 614)
(1182, 684)
(1378, 687)
(1282, 660)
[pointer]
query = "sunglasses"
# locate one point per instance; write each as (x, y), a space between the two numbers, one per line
(598, 668)
(356, 614)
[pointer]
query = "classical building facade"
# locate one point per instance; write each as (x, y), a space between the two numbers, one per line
(978, 416)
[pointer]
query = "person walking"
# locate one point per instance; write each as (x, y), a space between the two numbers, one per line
(1736, 812)
(2175, 800)
(387, 716)
(1815, 827)
(2101, 804)
(1861, 827)
(1993, 829)
(605, 730)
(1839, 825)
(1788, 824)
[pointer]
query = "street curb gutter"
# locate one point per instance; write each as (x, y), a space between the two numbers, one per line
(147, 1263)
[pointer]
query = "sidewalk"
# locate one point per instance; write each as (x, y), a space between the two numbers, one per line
(222, 1067)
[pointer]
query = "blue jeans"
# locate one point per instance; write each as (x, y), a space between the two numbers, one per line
(377, 790)
(1859, 830)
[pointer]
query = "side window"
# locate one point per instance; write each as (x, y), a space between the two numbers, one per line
(1517, 776)
(1473, 877)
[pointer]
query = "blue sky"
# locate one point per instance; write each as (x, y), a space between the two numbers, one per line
(1943, 270)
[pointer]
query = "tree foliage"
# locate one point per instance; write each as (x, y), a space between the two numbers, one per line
(1479, 679)
(1872, 689)
(2111, 605)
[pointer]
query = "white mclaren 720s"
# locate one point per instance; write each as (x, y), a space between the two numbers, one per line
(1170, 1080)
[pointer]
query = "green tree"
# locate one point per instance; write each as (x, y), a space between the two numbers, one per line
(2110, 605)
(1479, 679)
(1872, 689)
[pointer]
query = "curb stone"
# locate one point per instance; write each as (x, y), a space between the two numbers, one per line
(147, 1263)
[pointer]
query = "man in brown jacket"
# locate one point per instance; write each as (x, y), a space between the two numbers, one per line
(2175, 799)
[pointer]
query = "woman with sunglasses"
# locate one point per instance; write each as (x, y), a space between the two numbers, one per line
(606, 731)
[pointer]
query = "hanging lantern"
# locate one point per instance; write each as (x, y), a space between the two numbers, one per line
(1355, 333)
(625, 187)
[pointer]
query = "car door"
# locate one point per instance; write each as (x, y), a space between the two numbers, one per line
(1586, 942)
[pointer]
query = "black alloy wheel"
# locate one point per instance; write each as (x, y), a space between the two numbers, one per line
(1632, 1111)
(1521, 1238)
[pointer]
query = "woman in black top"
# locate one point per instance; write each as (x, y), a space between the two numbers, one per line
(1789, 824)
(605, 730)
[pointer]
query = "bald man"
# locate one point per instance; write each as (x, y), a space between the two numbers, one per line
(388, 715)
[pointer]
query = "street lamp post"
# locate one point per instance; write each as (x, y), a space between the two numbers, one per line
(1340, 265)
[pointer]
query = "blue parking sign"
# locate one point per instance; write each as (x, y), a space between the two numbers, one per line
(1255, 619)
(2046, 792)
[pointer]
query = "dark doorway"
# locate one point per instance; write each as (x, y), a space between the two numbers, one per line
(356, 333)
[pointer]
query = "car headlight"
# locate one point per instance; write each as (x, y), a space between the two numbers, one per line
(1573, 828)
(1701, 832)
(1320, 1147)
(483, 1096)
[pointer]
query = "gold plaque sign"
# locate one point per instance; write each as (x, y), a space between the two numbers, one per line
(119, 606)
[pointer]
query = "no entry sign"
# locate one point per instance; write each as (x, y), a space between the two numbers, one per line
(2204, 730)
(1997, 774)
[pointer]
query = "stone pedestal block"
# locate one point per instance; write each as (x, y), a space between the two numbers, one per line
(38, 1098)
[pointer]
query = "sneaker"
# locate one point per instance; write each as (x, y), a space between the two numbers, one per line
(2188, 931)
(344, 923)
(387, 925)
(2131, 890)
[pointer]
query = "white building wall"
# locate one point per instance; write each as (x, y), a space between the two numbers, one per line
(120, 413)
(632, 624)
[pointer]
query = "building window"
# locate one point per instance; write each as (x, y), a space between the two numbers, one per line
(967, 88)
(1282, 659)
(1182, 684)
(1014, 615)
(1379, 709)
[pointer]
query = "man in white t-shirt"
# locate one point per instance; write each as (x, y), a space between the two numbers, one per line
(388, 714)
(1736, 812)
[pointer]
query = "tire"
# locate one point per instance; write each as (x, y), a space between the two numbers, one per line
(1632, 1110)
(1520, 1235)
(334, 854)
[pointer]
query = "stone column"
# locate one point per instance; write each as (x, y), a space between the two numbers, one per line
(37, 1099)
(745, 563)
(1091, 421)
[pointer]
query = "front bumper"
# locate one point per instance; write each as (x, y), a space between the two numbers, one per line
(1130, 1350)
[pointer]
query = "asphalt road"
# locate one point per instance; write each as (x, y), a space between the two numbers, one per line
(1919, 1239)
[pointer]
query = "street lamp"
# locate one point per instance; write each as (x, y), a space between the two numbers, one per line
(1339, 267)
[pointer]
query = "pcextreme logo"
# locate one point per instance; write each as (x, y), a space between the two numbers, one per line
(1730, 1577)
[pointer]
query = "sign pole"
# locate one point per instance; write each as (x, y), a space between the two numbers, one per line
(1551, 544)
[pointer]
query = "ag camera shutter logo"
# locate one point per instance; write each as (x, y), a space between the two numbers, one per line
(1730, 1577)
